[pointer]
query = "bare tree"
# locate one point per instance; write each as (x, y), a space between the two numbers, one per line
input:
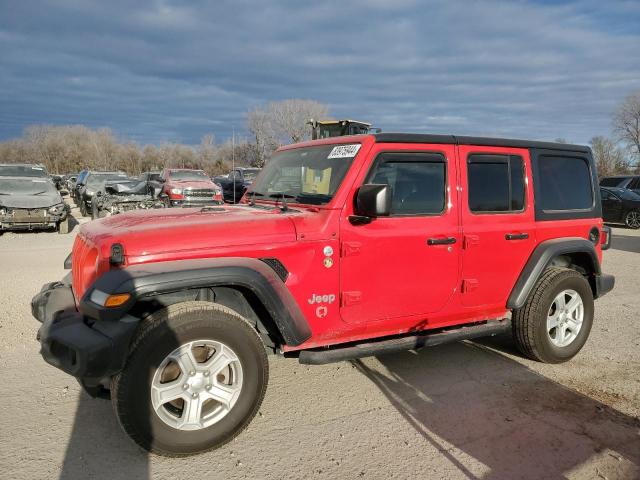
(290, 118)
(282, 122)
(626, 123)
(609, 158)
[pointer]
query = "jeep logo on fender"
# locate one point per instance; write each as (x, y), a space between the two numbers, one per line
(315, 298)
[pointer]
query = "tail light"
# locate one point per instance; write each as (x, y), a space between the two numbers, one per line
(605, 238)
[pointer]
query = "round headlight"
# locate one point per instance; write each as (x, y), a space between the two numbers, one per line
(55, 209)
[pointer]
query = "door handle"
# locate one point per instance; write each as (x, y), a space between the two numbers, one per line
(516, 236)
(441, 241)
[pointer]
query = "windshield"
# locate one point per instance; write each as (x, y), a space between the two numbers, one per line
(188, 175)
(23, 171)
(309, 175)
(612, 181)
(251, 174)
(96, 180)
(25, 186)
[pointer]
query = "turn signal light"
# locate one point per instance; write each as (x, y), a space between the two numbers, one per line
(116, 300)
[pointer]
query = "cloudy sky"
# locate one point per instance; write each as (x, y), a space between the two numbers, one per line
(156, 71)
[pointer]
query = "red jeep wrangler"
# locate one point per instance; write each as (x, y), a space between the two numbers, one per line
(343, 248)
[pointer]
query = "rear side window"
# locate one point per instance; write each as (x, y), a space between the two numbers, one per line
(417, 182)
(612, 181)
(496, 183)
(565, 183)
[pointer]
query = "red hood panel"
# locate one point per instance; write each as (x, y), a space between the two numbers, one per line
(174, 229)
(191, 183)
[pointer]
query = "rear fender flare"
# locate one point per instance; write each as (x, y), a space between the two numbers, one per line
(542, 257)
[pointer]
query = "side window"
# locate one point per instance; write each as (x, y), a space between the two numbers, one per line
(236, 175)
(634, 184)
(496, 183)
(564, 183)
(605, 195)
(417, 182)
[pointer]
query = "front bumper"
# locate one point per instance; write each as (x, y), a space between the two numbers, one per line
(30, 219)
(194, 203)
(89, 349)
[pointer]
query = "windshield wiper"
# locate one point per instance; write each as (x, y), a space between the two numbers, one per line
(284, 197)
(40, 193)
(252, 199)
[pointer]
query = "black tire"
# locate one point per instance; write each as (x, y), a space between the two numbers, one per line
(529, 323)
(158, 336)
(632, 219)
(64, 226)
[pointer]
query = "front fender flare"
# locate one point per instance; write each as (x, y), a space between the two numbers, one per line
(147, 280)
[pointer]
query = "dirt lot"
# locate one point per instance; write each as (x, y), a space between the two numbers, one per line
(467, 410)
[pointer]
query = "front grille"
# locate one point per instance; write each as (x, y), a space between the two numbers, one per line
(199, 193)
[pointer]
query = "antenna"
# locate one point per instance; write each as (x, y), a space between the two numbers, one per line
(233, 161)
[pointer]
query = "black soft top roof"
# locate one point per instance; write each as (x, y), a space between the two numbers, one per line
(465, 140)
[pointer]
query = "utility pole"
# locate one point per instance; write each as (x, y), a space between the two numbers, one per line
(233, 162)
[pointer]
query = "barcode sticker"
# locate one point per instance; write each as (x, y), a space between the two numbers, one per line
(344, 151)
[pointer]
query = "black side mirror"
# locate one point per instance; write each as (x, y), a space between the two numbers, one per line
(372, 201)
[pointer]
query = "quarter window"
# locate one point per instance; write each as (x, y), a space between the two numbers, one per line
(496, 183)
(417, 182)
(565, 183)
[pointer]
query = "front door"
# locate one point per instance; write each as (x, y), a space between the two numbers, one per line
(405, 265)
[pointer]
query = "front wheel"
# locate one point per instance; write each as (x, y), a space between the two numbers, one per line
(195, 377)
(555, 321)
(632, 219)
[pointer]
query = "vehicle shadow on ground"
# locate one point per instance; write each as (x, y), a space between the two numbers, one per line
(466, 400)
(625, 243)
(98, 448)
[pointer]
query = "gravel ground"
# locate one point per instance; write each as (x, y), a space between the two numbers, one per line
(466, 410)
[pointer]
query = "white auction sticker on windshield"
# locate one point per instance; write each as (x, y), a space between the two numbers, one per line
(344, 151)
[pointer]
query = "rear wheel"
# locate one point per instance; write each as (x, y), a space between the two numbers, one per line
(632, 219)
(195, 377)
(554, 323)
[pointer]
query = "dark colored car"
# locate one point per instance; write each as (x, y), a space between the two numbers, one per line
(126, 195)
(235, 183)
(620, 205)
(23, 170)
(31, 203)
(94, 182)
(76, 186)
(630, 182)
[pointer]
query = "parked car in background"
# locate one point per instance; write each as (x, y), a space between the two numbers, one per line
(188, 188)
(70, 181)
(94, 182)
(57, 181)
(23, 170)
(630, 182)
(236, 183)
(76, 187)
(31, 203)
(125, 195)
(620, 205)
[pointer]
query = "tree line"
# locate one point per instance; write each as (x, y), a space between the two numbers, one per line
(70, 148)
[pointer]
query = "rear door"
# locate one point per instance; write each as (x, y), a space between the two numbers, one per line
(497, 221)
(611, 206)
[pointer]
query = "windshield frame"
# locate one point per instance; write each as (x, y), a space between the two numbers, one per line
(201, 175)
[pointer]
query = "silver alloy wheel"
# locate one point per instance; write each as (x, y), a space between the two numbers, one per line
(633, 219)
(565, 317)
(196, 385)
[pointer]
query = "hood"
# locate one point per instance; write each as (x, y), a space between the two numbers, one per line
(192, 183)
(160, 232)
(44, 200)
